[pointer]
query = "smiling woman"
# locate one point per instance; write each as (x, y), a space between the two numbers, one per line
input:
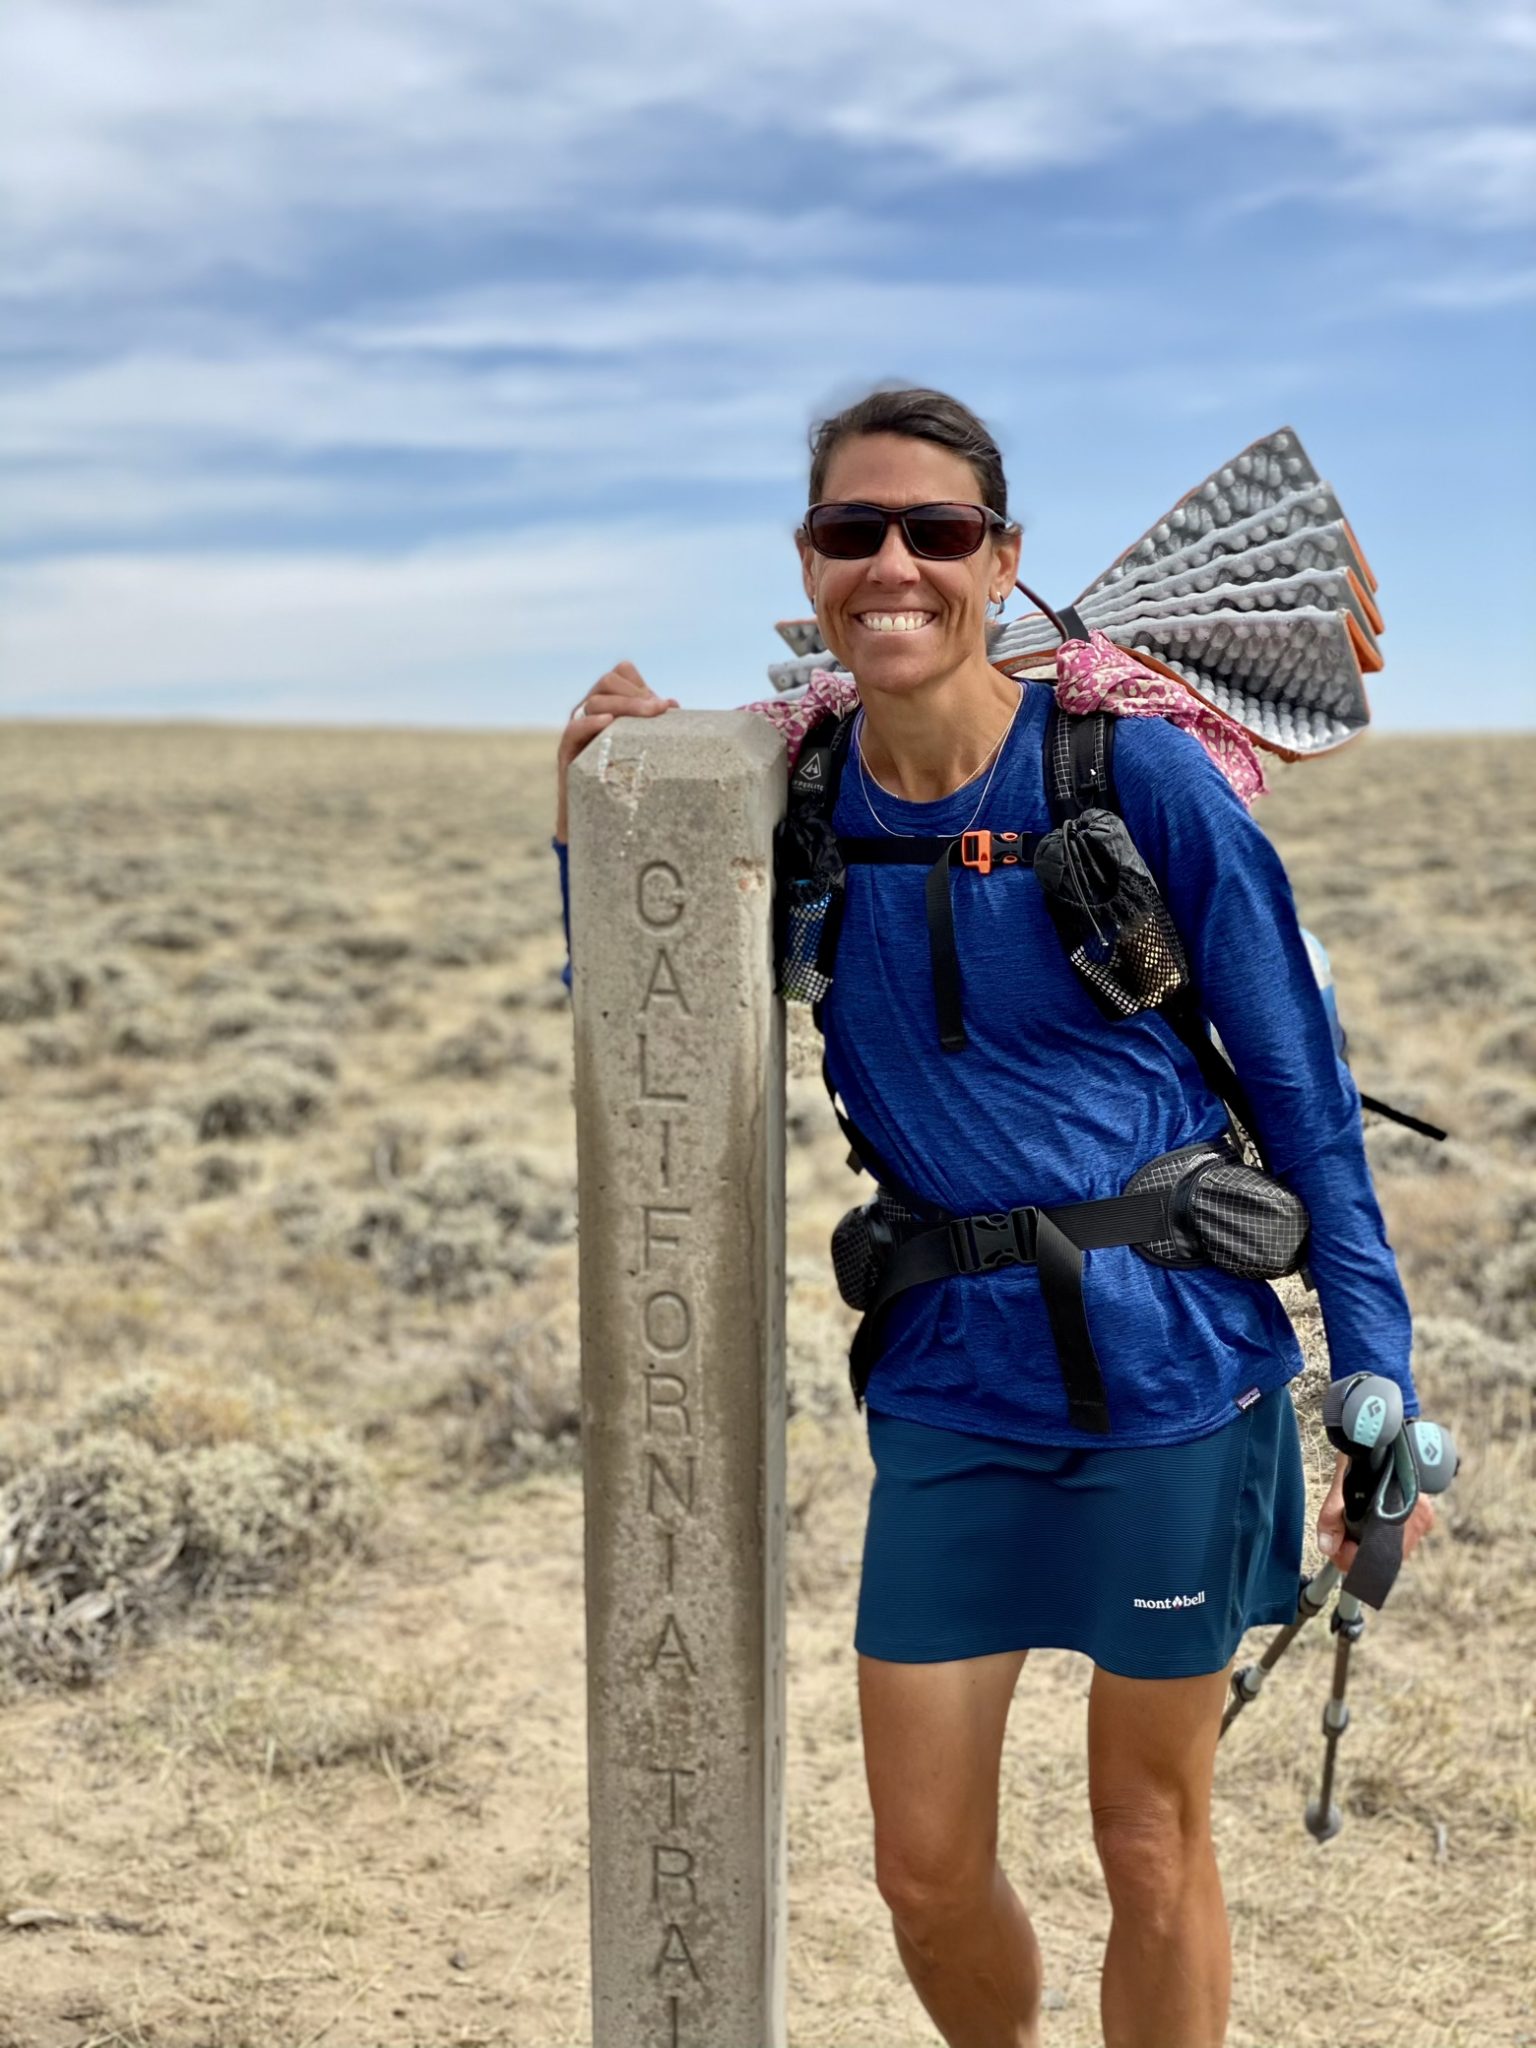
(902, 601)
(1149, 1526)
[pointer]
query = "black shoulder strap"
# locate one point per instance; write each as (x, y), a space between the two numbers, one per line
(819, 765)
(1079, 776)
(861, 1153)
(1079, 762)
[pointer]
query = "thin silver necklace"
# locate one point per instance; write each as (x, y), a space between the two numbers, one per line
(994, 755)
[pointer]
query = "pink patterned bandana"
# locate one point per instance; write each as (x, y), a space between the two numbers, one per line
(831, 690)
(1091, 675)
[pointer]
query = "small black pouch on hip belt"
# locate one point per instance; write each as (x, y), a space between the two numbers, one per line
(1223, 1213)
(862, 1244)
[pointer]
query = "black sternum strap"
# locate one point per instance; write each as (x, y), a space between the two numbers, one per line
(1053, 1240)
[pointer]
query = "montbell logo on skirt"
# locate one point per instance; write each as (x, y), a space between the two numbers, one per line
(1178, 1600)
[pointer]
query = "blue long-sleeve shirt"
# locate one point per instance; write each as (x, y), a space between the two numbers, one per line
(1051, 1102)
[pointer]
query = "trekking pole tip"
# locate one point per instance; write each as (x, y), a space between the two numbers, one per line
(1322, 1825)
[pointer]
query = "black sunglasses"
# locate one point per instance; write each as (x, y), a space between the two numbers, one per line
(934, 533)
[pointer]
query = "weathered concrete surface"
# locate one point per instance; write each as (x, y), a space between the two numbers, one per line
(680, 1147)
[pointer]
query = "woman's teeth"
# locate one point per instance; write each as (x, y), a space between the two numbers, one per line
(895, 622)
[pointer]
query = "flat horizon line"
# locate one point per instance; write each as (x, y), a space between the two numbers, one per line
(214, 721)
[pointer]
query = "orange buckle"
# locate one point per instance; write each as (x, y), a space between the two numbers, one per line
(979, 850)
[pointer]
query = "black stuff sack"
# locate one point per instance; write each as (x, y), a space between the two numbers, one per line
(1110, 915)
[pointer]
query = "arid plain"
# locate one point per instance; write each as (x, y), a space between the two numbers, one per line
(291, 1686)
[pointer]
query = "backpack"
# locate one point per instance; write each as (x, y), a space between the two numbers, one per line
(1209, 1203)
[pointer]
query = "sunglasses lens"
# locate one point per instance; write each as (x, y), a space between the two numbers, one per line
(846, 532)
(946, 532)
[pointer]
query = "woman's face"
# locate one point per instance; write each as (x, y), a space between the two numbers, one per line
(896, 620)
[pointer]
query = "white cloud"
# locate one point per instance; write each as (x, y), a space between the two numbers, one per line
(516, 399)
(224, 136)
(1478, 176)
(1471, 291)
(45, 503)
(506, 632)
(598, 317)
(585, 381)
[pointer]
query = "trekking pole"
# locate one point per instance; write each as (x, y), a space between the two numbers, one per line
(1391, 1462)
(1362, 1415)
(1247, 1682)
(1323, 1819)
(1420, 1457)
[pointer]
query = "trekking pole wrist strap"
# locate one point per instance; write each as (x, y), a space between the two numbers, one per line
(1377, 1561)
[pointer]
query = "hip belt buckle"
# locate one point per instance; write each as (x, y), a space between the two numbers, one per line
(1000, 1237)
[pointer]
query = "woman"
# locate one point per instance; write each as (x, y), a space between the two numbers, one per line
(995, 1526)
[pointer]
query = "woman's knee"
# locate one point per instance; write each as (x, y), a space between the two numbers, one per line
(1151, 1757)
(1149, 1847)
(931, 1884)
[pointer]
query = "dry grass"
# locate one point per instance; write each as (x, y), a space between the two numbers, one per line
(287, 1062)
(155, 1497)
(285, 1717)
(513, 1407)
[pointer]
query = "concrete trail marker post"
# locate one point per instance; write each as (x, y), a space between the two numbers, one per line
(680, 1156)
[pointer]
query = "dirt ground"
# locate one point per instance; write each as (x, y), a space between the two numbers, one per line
(288, 1189)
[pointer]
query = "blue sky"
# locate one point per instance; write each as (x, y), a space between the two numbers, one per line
(410, 362)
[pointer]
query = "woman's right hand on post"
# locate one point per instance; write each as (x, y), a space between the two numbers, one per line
(622, 693)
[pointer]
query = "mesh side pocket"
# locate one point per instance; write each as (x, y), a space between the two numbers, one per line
(1110, 914)
(808, 906)
(1143, 966)
(810, 883)
(862, 1243)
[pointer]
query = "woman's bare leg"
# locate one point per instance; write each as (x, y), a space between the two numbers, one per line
(1151, 1758)
(933, 1738)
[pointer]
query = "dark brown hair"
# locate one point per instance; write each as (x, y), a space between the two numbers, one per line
(922, 415)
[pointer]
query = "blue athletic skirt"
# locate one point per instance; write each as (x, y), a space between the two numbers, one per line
(1150, 1560)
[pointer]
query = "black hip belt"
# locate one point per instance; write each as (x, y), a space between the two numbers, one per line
(1053, 1240)
(1199, 1205)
